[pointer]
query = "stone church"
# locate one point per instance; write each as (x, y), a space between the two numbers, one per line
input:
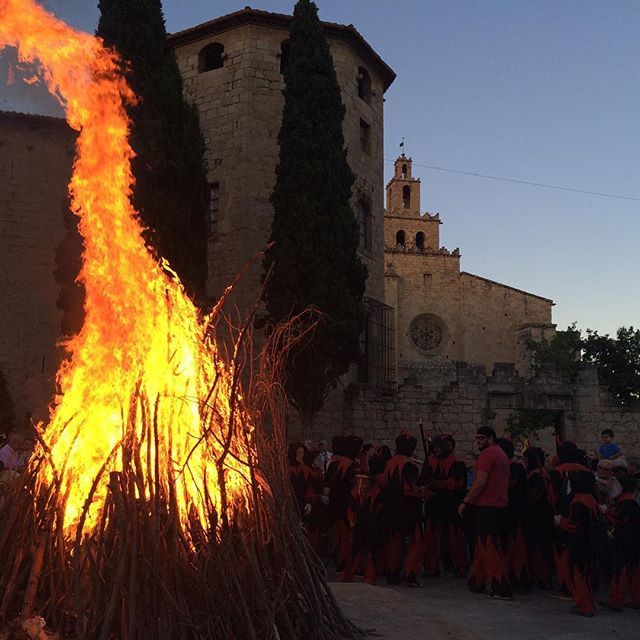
(440, 344)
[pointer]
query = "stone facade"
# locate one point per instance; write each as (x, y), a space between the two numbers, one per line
(36, 154)
(457, 398)
(441, 330)
(442, 312)
(240, 104)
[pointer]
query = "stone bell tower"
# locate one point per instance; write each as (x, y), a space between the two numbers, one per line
(403, 191)
(405, 226)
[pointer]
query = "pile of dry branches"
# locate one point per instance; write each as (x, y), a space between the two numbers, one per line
(140, 573)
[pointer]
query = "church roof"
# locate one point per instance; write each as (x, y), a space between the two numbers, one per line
(283, 21)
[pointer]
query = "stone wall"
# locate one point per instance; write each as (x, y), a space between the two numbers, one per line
(482, 322)
(457, 398)
(36, 155)
(240, 108)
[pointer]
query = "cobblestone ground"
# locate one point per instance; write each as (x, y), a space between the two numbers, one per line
(443, 609)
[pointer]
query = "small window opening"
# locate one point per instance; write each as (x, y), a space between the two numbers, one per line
(211, 57)
(420, 240)
(427, 280)
(285, 51)
(400, 238)
(364, 224)
(365, 136)
(364, 85)
(406, 196)
(404, 171)
(213, 215)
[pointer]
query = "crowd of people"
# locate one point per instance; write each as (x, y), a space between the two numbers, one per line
(508, 518)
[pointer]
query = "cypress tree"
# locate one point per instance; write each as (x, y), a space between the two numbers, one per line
(171, 192)
(314, 231)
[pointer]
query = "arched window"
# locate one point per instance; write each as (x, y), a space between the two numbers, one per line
(420, 240)
(406, 196)
(364, 85)
(285, 50)
(400, 238)
(211, 57)
(404, 171)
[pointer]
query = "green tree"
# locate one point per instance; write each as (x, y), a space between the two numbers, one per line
(171, 191)
(562, 351)
(313, 258)
(618, 362)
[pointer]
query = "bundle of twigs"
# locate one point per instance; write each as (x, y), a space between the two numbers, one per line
(140, 572)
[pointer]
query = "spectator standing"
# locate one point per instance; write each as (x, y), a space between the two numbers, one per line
(488, 499)
(13, 454)
(608, 449)
(323, 457)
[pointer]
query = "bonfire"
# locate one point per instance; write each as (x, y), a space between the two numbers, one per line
(155, 505)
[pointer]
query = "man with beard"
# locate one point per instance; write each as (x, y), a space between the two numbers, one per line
(445, 475)
(488, 499)
(404, 512)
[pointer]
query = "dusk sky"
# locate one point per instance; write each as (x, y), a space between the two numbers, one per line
(538, 91)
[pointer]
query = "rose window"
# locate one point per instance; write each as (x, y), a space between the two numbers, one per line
(427, 332)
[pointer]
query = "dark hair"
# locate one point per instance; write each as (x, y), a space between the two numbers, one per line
(568, 452)
(487, 431)
(377, 465)
(385, 452)
(582, 481)
(293, 449)
(367, 446)
(534, 457)
(627, 482)
(353, 446)
(406, 444)
(506, 446)
(607, 432)
(339, 445)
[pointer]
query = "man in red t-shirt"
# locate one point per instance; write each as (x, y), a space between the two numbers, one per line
(488, 500)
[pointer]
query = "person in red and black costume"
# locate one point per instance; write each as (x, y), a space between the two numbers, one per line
(403, 507)
(307, 484)
(624, 518)
(538, 522)
(567, 457)
(446, 476)
(369, 534)
(340, 481)
(488, 499)
(515, 545)
(580, 527)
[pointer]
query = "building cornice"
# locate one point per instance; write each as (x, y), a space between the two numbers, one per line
(281, 21)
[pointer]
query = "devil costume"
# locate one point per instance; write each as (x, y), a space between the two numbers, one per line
(583, 528)
(624, 518)
(404, 512)
(340, 480)
(446, 476)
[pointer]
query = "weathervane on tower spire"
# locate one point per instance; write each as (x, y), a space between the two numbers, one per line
(402, 148)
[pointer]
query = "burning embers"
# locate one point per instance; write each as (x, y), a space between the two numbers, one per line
(145, 514)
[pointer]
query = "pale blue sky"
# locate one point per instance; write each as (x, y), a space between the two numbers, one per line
(541, 91)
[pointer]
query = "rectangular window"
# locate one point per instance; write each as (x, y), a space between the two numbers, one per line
(364, 224)
(427, 280)
(214, 208)
(365, 136)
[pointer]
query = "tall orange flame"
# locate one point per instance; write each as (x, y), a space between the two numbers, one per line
(141, 330)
